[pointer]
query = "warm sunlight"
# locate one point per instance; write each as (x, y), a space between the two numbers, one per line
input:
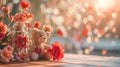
(105, 4)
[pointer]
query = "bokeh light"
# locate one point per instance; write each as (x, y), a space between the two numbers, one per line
(105, 4)
(87, 22)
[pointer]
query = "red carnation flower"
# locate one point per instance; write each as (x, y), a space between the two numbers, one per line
(3, 30)
(24, 4)
(20, 41)
(59, 32)
(37, 24)
(48, 28)
(57, 51)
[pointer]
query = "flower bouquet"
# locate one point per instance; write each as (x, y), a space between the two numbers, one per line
(23, 41)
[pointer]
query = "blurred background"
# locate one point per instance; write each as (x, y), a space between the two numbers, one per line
(89, 27)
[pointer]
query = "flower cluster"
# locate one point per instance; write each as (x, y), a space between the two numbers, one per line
(24, 41)
(21, 17)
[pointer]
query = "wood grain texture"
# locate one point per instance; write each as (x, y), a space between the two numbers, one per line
(72, 60)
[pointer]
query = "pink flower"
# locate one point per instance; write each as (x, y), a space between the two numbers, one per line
(22, 56)
(21, 41)
(6, 54)
(48, 28)
(57, 51)
(24, 4)
(3, 30)
(37, 24)
(6, 9)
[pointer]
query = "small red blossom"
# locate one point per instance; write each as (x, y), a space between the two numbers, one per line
(85, 32)
(24, 4)
(19, 17)
(3, 30)
(37, 24)
(28, 15)
(20, 41)
(59, 32)
(48, 28)
(6, 9)
(57, 51)
(101, 32)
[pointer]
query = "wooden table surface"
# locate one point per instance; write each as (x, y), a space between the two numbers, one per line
(72, 60)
